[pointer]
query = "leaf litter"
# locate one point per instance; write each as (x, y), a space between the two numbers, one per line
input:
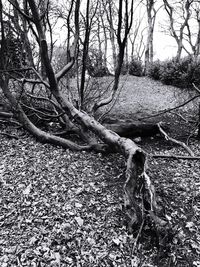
(64, 208)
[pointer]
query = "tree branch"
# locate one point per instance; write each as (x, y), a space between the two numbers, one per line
(168, 138)
(170, 109)
(67, 67)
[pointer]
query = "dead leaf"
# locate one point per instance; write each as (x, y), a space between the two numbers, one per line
(27, 190)
(116, 241)
(79, 220)
(78, 205)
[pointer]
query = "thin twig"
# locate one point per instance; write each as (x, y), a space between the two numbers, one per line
(196, 88)
(181, 116)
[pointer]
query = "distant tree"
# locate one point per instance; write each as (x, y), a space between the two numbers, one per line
(136, 38)
(151, 18)
(111, 13)
(179, 13)
(192, 35)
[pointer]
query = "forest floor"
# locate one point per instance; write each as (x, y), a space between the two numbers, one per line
(64, 208)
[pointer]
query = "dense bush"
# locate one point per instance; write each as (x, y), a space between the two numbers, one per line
(98, 71)
(136, 67)
(154, 70)
(95, 64)
(181, 73)
(170, 73)
(195, 71)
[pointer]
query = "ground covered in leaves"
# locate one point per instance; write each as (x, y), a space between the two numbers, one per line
(64, 208)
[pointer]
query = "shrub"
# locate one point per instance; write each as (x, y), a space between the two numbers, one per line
(195, 72)
(125, 69)
(95, 64)
(181, 73)
(169, 73)
(154, 70)
(100, 71)
(136, 67)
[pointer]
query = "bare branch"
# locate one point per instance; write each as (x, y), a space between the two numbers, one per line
(168, 138)
(67, 67)
(15, 4)
(170, 109)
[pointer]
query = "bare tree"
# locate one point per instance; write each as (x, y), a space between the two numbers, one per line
(88, 20)
(192, 35)
(151, 18)
(125, 20)
(178, 17)
(110, 10)
(95, 136)
(136, 37)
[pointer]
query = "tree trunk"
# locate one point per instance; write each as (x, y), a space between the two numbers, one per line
(149, 44)
(179, 50)
(198, 134)
(85, 55)
(133, 128)
(112, 33)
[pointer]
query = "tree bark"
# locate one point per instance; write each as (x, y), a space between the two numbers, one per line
(198, 134)
(149, 44)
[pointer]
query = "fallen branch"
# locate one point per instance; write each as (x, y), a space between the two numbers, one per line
(6, 114)
(180, 116)
(174, 140)
(196, 88)
(175, 157)
(132, 128)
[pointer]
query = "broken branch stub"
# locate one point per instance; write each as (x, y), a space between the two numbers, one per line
(139, 193)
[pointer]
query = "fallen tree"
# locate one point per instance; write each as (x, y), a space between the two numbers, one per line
(132, 128)
(139, 195)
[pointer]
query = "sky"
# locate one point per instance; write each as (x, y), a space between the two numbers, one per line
(164, 45)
